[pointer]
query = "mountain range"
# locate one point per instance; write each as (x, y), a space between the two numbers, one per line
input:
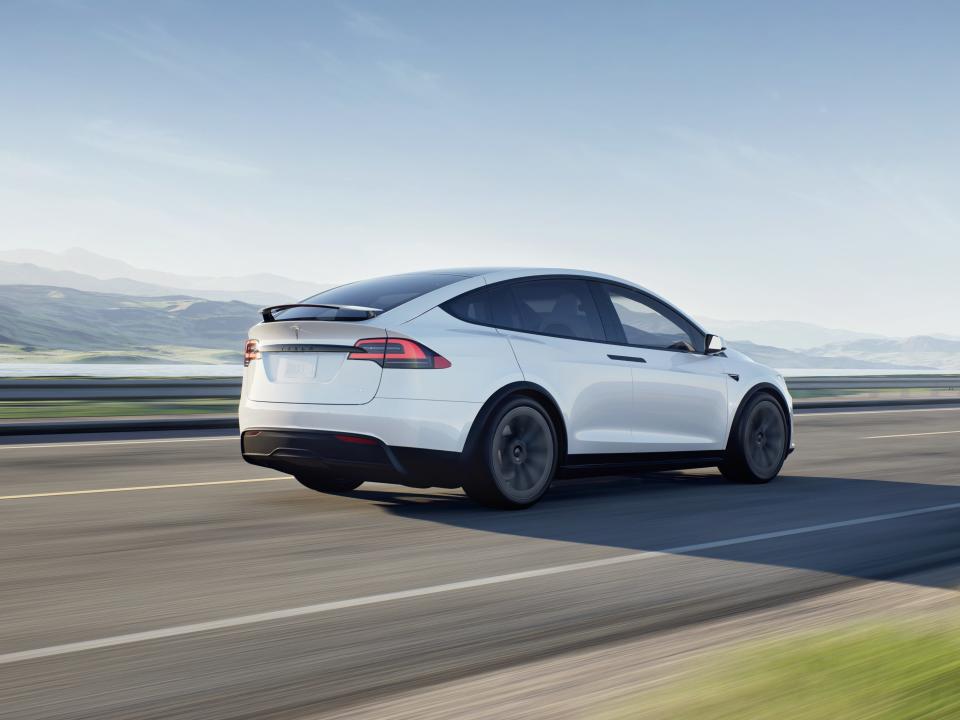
(55, 323)
(83, 270)
(44, 322)
(97, 307)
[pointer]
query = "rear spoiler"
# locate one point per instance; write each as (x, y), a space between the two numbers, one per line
(365, 313)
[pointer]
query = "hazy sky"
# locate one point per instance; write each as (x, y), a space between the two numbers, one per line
(763, 160)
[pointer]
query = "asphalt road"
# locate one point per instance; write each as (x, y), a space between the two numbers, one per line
(163, 578)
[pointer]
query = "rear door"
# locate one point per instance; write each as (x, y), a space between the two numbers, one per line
(558, 338)
(305, 361)
(679, 393)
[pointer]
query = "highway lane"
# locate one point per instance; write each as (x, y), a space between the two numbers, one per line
(87, 567)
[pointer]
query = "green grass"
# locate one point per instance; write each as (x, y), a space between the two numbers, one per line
(895, 672)
(20, 410)
(169, 354)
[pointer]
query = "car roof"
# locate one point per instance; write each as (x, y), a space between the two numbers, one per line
(477, 277)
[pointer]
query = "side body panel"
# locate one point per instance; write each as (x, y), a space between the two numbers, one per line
(482, 361)
(680, 402)
(594, 392)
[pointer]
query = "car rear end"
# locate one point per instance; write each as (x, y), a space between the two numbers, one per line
(341, 386)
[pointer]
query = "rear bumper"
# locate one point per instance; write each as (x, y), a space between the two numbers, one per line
(340, 454)
(426, 424)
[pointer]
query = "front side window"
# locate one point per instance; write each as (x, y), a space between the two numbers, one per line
(646, 323)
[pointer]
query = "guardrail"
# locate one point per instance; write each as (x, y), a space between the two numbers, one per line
(875, 382)
(809, 393)
(34, 389)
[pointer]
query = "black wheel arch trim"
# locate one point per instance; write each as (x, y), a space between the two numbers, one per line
(537, 392)
(770, 389)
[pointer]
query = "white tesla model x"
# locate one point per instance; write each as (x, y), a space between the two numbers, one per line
(498, 380)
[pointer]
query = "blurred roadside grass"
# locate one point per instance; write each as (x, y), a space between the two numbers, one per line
(37, 409)
(882, 672)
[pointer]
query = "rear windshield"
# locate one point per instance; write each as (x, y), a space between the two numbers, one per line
(383, 293)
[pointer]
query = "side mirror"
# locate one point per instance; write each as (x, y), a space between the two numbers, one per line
(714, 344)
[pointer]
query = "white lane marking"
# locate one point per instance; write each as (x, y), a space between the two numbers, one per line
(96, 443)
(143, 487)
(802, 413)
(241, 620)
(884, 437)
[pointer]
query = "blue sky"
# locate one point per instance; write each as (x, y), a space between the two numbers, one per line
(761, 160)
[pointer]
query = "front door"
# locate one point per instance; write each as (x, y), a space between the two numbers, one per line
(679, 393)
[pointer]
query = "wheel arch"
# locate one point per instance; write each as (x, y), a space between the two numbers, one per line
(762, 388)
(520, 388)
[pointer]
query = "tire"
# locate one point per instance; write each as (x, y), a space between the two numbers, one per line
(758, 442)
(332, 485)
(516, 457)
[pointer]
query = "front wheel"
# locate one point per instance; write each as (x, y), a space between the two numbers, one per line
(758, 442)
(325, 484)
(517, 456)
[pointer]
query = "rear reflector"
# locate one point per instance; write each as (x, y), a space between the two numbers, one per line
(398, 353)
(356, 439)
(251, 352)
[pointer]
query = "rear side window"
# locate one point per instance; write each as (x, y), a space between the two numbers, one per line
(560, 307)
(487, 306)
(383, 293)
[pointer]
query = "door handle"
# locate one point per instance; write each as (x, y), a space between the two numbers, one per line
(628, 358)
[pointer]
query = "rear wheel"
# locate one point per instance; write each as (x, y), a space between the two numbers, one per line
(517, 456)
(758, 443)
(326, 484)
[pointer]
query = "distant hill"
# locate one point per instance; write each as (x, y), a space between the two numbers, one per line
(781, 358)
(140, 328)
(38, 316)
(789, 334)
(938, 352)
(83, 270)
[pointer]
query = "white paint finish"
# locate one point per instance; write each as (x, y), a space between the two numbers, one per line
(594, 393)
(482, 361)
(680, 401)
(312, 378)
(673, 402)
(326, 607)
(431, 424)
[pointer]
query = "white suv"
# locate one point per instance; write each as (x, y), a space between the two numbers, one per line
(497, 380)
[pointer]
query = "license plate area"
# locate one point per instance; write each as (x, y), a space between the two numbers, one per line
(294, 367)
(301, 368)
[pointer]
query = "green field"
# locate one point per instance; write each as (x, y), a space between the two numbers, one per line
(883, 672)
(168, 354)
(39, 409)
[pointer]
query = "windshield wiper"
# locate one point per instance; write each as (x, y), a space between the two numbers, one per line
(365, 312)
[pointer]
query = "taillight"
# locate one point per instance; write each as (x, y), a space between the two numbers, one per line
(398, 353)
(251, 352)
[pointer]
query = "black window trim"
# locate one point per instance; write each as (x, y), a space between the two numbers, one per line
(592, 282)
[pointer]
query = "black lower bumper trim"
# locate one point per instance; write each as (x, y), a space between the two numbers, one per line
(314, 452)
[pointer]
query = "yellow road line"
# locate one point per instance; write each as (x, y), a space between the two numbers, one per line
(143, 487)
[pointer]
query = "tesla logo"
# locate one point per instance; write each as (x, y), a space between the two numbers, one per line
(296, 331)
